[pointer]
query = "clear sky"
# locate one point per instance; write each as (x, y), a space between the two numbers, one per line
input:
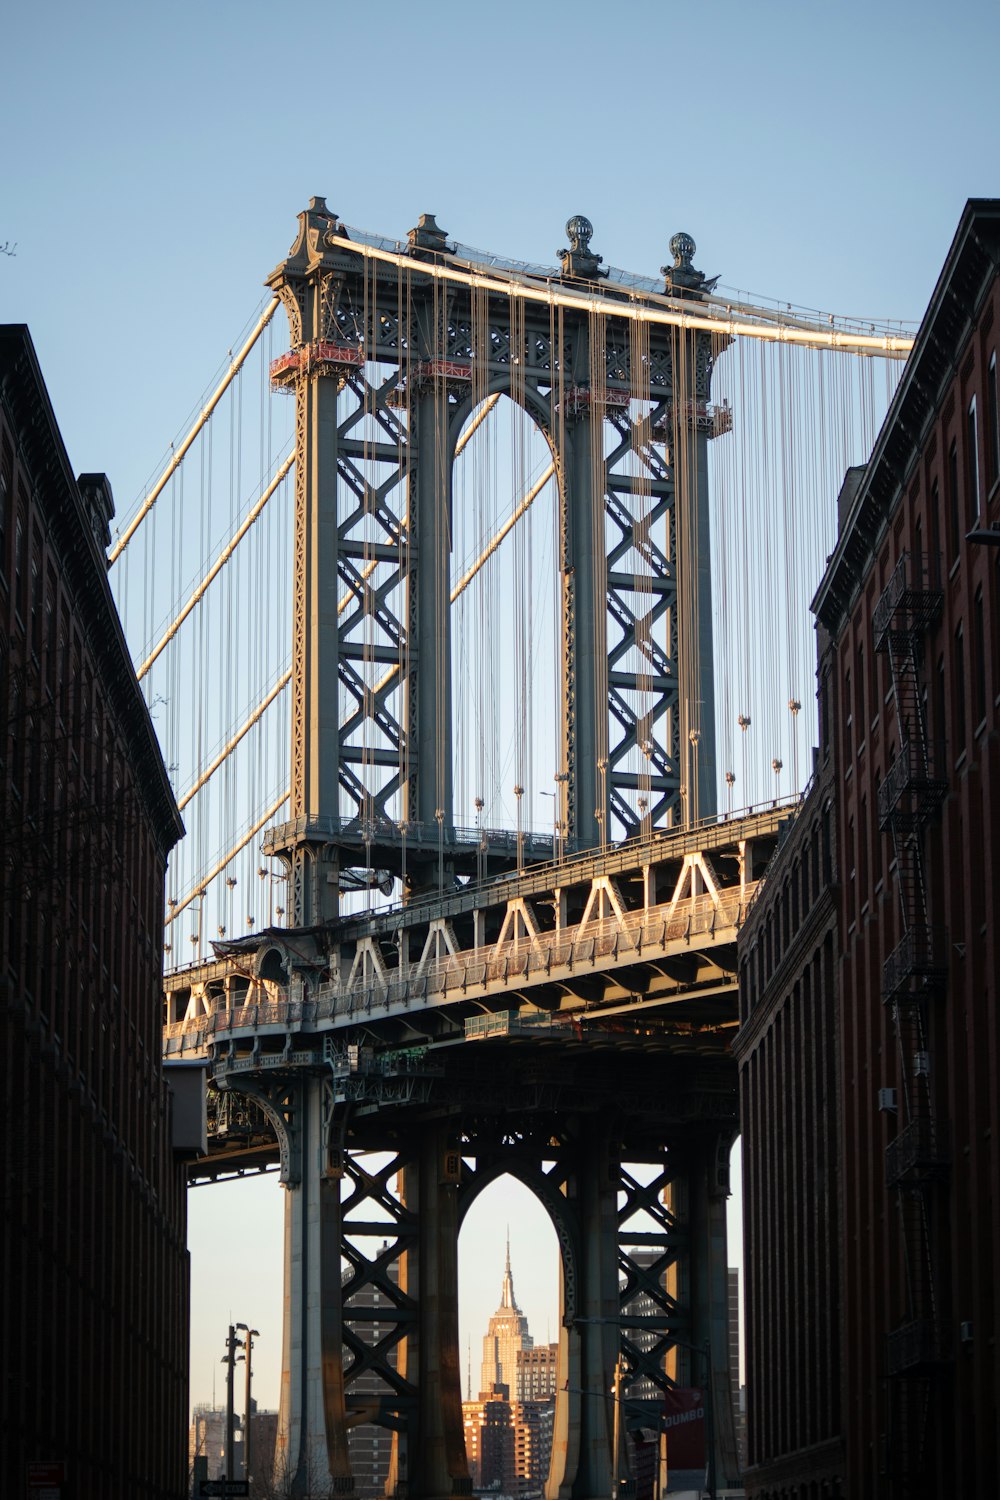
(155, 158)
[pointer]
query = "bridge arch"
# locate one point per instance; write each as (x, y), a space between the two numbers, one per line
(554, 1203)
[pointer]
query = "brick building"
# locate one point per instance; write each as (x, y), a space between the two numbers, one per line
(93, 1260)
(787, 1051)
(907, 1114)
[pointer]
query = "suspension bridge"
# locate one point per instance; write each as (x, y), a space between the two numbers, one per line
(457, 692)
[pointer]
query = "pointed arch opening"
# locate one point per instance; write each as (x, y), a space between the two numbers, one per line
(510, 1272)
(506, 618)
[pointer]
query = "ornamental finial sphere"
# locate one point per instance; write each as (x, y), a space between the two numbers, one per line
(682, 248)
(580, 232)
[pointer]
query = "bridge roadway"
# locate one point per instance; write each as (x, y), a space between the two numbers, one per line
(635, 941)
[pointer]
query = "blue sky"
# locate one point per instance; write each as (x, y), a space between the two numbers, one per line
(156, 157)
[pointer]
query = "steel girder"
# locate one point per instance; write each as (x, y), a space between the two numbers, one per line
(387, 370)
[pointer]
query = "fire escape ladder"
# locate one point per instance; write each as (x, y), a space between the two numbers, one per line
(913, 975)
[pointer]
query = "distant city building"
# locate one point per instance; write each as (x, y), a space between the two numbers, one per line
(93, 1228)
(642, 1305)
(531, 1423)
(508, 1442)
(535, 1373)
(506, 1336)
(207, 1440)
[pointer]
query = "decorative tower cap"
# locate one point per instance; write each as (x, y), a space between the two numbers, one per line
(317, 224)
(579, 259)
(681, 279)
(428, 235)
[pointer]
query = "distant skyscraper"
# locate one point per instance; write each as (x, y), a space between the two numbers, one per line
(506, 1337)
(508, 1431)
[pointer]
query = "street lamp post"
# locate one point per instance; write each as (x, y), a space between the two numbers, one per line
(229, 1358)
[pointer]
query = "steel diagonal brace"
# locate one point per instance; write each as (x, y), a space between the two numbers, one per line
(634, 441)
(638, 634)
(637, 536)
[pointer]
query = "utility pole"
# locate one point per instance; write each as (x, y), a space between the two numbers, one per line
(251, 1334)
(229, 1359)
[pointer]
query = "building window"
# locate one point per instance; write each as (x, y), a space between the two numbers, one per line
(920, 569)
(959, 694)
(954, 507)
(847, 717)
(36, 604)
(993, 416)
(859, 690)
(972, 462)
(19, 566)
(979, 625)
(934, 559)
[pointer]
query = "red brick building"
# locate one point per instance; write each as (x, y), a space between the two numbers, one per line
(909, 682)
(789, 1075)
(93, 1260)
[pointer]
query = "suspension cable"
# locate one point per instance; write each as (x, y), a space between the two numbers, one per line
(203, 417)
(216, 568)
(218, 869)
(653, 308)
(231, 744)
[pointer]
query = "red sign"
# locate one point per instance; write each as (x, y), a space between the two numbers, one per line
(684, 1421)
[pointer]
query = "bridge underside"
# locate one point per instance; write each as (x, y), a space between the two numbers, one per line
(568, 1025)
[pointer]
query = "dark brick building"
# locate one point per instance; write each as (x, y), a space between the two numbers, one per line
(909, 681)
(789, 1091)
(93, 1260)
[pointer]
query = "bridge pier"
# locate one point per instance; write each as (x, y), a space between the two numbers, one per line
(435, 1466)
(699, 1284)
(581, 1462)
(311, 1457)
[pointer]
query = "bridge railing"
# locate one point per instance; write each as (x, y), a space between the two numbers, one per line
(527, 959)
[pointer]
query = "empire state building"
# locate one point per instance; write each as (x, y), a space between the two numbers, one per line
(507, 1335)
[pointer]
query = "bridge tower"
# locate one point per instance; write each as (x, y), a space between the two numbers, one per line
(392, 349)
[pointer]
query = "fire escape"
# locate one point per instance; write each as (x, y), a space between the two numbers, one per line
(914, 977)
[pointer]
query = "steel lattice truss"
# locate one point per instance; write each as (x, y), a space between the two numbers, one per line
(402, 363)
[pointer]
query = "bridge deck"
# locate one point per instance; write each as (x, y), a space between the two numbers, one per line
(637, 927)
